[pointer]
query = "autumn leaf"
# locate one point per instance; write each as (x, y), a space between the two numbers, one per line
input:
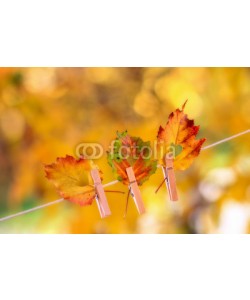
(178, 139)
(72, 179)
(132, 152)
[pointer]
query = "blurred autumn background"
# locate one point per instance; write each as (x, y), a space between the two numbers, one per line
(46, 112)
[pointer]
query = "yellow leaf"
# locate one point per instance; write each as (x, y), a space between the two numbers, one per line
(72, 179)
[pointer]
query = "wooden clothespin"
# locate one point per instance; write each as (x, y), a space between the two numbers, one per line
(101, 199)
(169, 174)
(134, 190)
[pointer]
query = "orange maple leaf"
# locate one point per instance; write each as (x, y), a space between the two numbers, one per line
(72, 179)
(141, 171)
(132, 152)
(178, 139)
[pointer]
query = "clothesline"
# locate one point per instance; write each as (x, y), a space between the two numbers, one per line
(225, 140)
(115, 181)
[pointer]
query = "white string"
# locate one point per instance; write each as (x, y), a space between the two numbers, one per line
(30, 210)
(225, 140)
(108, 184)
(113, 182)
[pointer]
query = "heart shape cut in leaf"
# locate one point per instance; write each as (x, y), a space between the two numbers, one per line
(178, 140)
(132, 152)
(72, 179)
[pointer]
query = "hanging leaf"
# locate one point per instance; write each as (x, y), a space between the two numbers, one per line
(178, 140)
(132, 152)
(72, 179)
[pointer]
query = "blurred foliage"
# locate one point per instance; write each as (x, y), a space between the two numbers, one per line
(47, 112)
